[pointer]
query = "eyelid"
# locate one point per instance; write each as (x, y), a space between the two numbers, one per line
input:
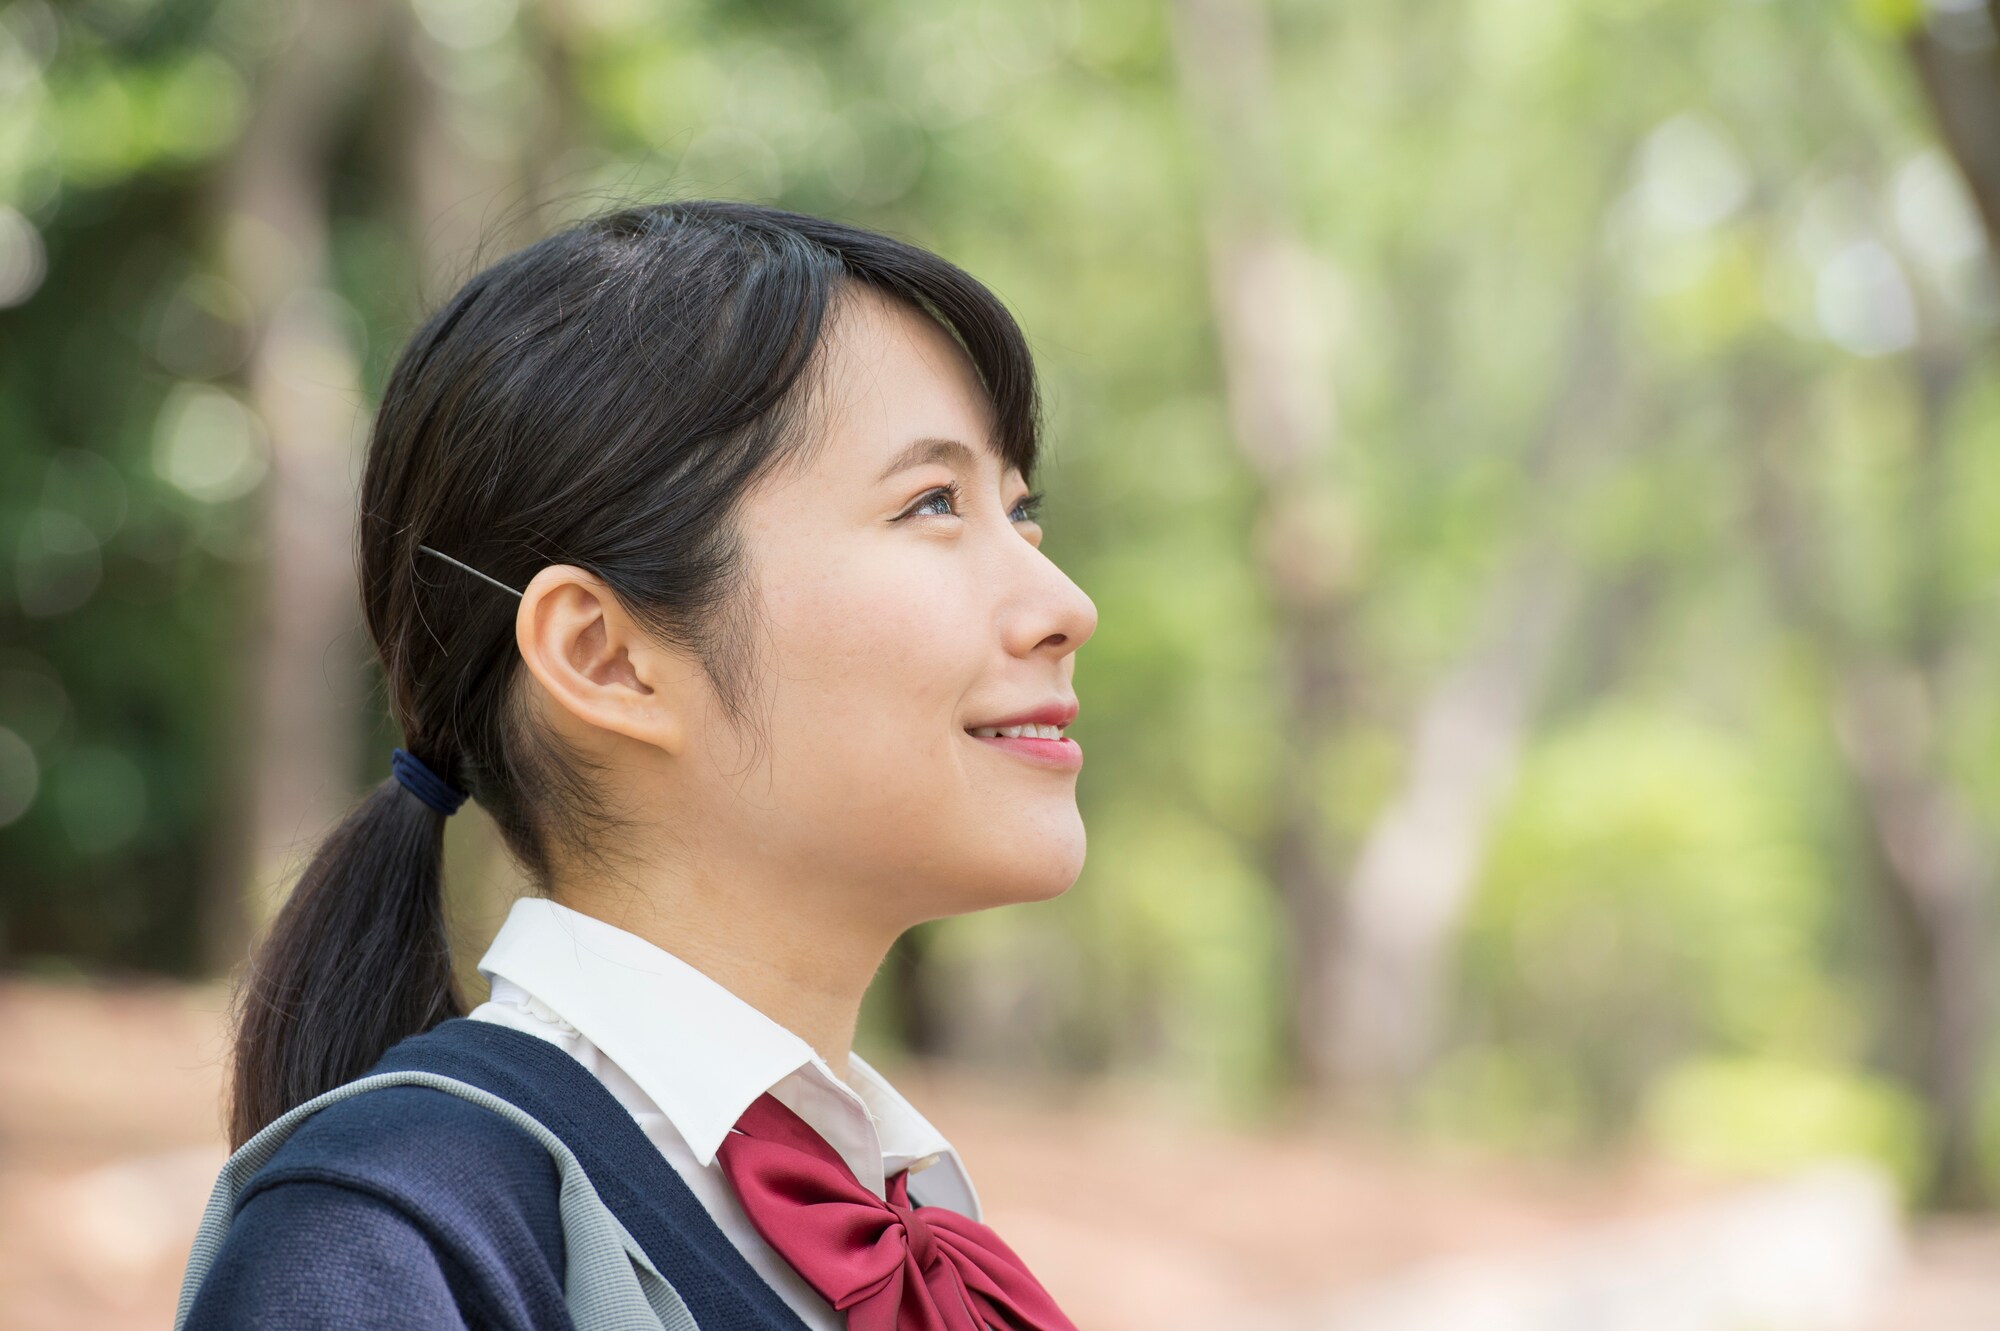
(952, 489)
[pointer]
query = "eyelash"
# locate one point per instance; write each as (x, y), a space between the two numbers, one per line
(952, 490)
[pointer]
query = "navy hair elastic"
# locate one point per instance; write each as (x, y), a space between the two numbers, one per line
(425, 784)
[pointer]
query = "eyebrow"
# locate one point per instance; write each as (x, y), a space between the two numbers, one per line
(948, 451)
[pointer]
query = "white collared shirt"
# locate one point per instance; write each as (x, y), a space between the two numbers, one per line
(686, 1057)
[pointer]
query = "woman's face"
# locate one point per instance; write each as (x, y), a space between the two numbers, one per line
(894, 620)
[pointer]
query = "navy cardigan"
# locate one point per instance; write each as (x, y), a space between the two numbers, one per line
(409, 1207)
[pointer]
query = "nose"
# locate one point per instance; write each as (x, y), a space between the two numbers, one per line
(1047, 611)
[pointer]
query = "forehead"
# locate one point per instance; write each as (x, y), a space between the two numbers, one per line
(890, 381)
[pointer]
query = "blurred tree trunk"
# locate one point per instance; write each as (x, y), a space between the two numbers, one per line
(1367, 964)
(1934, 861)
(1961, 81)
(1935, 871)
(1413, 880)
(303, 661)
(467, 197)
(1269, 296)
(1931, 861)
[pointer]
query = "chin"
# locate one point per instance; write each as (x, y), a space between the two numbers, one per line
(1043, 876)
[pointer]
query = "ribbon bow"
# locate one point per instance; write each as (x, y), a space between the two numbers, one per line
(889, 1265)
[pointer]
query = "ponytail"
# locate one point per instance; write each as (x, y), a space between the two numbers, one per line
(357, 959)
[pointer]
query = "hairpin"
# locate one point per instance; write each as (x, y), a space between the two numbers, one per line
(468, 568)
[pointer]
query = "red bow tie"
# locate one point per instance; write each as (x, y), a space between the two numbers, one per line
(889, 1265)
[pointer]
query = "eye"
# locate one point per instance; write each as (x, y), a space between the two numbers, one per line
(948, 494)
(951, 495)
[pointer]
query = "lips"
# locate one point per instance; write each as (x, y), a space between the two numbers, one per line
(1060, 712)
(1062, 754)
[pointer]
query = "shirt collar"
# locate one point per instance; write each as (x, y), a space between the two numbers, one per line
(703, 1054)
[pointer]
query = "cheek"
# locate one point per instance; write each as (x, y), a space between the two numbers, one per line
(871, 778)
(872, 669)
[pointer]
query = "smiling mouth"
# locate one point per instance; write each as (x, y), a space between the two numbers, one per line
(1026, 730)
(1043, 745)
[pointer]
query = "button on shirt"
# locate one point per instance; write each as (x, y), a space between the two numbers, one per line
(686, 1057)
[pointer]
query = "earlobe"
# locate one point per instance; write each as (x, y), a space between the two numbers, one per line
(593, 660)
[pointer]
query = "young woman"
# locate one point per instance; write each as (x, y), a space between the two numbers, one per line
(698, 547)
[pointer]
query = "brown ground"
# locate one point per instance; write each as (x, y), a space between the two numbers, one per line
(1134, 1216)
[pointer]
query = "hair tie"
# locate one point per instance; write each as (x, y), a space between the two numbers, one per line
(425, 784)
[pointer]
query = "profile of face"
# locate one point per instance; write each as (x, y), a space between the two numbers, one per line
(892, 621)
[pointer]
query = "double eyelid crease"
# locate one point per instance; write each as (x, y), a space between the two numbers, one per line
(1032, 501)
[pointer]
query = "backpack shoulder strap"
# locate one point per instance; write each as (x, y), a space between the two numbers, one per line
(609, 1284)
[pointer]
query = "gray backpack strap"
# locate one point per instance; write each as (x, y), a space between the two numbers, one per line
(608, 1281)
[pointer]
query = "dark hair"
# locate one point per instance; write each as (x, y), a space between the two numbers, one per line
(604, 398)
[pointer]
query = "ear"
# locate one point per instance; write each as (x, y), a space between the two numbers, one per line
(597, 663)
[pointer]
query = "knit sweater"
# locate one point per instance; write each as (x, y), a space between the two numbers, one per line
(412, 1208)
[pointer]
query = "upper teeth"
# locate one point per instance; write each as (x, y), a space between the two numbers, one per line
(1030, 731)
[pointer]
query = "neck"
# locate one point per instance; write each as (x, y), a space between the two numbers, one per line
(807, 971)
